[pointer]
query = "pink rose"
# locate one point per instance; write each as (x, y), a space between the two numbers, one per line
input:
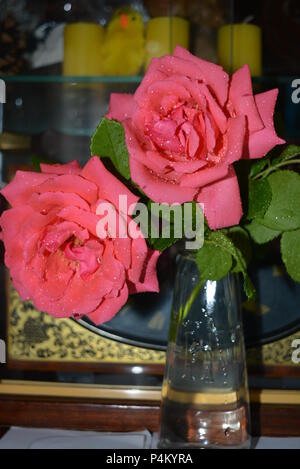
(52, 249)
(187, 124)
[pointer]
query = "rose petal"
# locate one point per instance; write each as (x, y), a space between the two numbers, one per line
(36, 223)
(81, 217)
(139, 253)
(111, 267)
(148, 281)
(109, 307)
(192, 86)
(215, 110)
(58, 276)
(122, 250)
(70, 183)
(221, 202)
(121, 106)
(188, 166)
(30, 246)
(21, 289)
(20, 248)
(11, 222)
(156, 188)
(152, 75)
(152, 160)
(81, 296)
(87, 258)
(49, 200)
(215, 76)
(68, 168)
(109, 186)
(260, 143)
(265, 103)
(174, 65)
(163, 135)
(23, 185)
(168, 102)
(241, 96)
(159, 89)
(204, 176)
(235, 138)
(210, 133)
(58, 233)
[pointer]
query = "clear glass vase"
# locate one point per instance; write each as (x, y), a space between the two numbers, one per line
(205, 402)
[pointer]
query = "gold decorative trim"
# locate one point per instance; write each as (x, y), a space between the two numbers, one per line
(275, 396)
(10, 141)
(37, 337)
(133, 393)
(200, 398)
(45, 389)
(277, 353)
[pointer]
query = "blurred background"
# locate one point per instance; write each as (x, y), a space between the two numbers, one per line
(60, 61)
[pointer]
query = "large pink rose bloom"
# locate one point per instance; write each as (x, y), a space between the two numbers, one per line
(52, 249)
(186, 125)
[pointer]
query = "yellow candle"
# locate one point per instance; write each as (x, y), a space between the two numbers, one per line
(82, 49)
(163, 34)
(240, 44)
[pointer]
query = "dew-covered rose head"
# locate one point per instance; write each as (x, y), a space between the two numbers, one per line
(186, 125)
(52, 249)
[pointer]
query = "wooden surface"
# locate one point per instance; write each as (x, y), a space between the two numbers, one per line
(78, 414)
(267, 420)
(87, 367)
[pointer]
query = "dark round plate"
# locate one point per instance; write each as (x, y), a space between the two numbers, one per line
(144, 321)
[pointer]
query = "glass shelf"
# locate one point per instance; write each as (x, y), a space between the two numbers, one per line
(72, 106)
(135, 79)
(69, 105)
(69, 79)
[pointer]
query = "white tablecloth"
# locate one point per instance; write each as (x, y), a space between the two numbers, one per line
(41, 438)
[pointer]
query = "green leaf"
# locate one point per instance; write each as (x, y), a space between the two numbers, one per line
(260, 196)
(240, 265)
(283, 213)
(240, 239)
(213, 263)
(249, 288)
(161, 244)
(260, 233)
(288, 153)
(219, 241)
(109, 141)
(164, 216)
(258, 166)
(290, 252)
(189, 217)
